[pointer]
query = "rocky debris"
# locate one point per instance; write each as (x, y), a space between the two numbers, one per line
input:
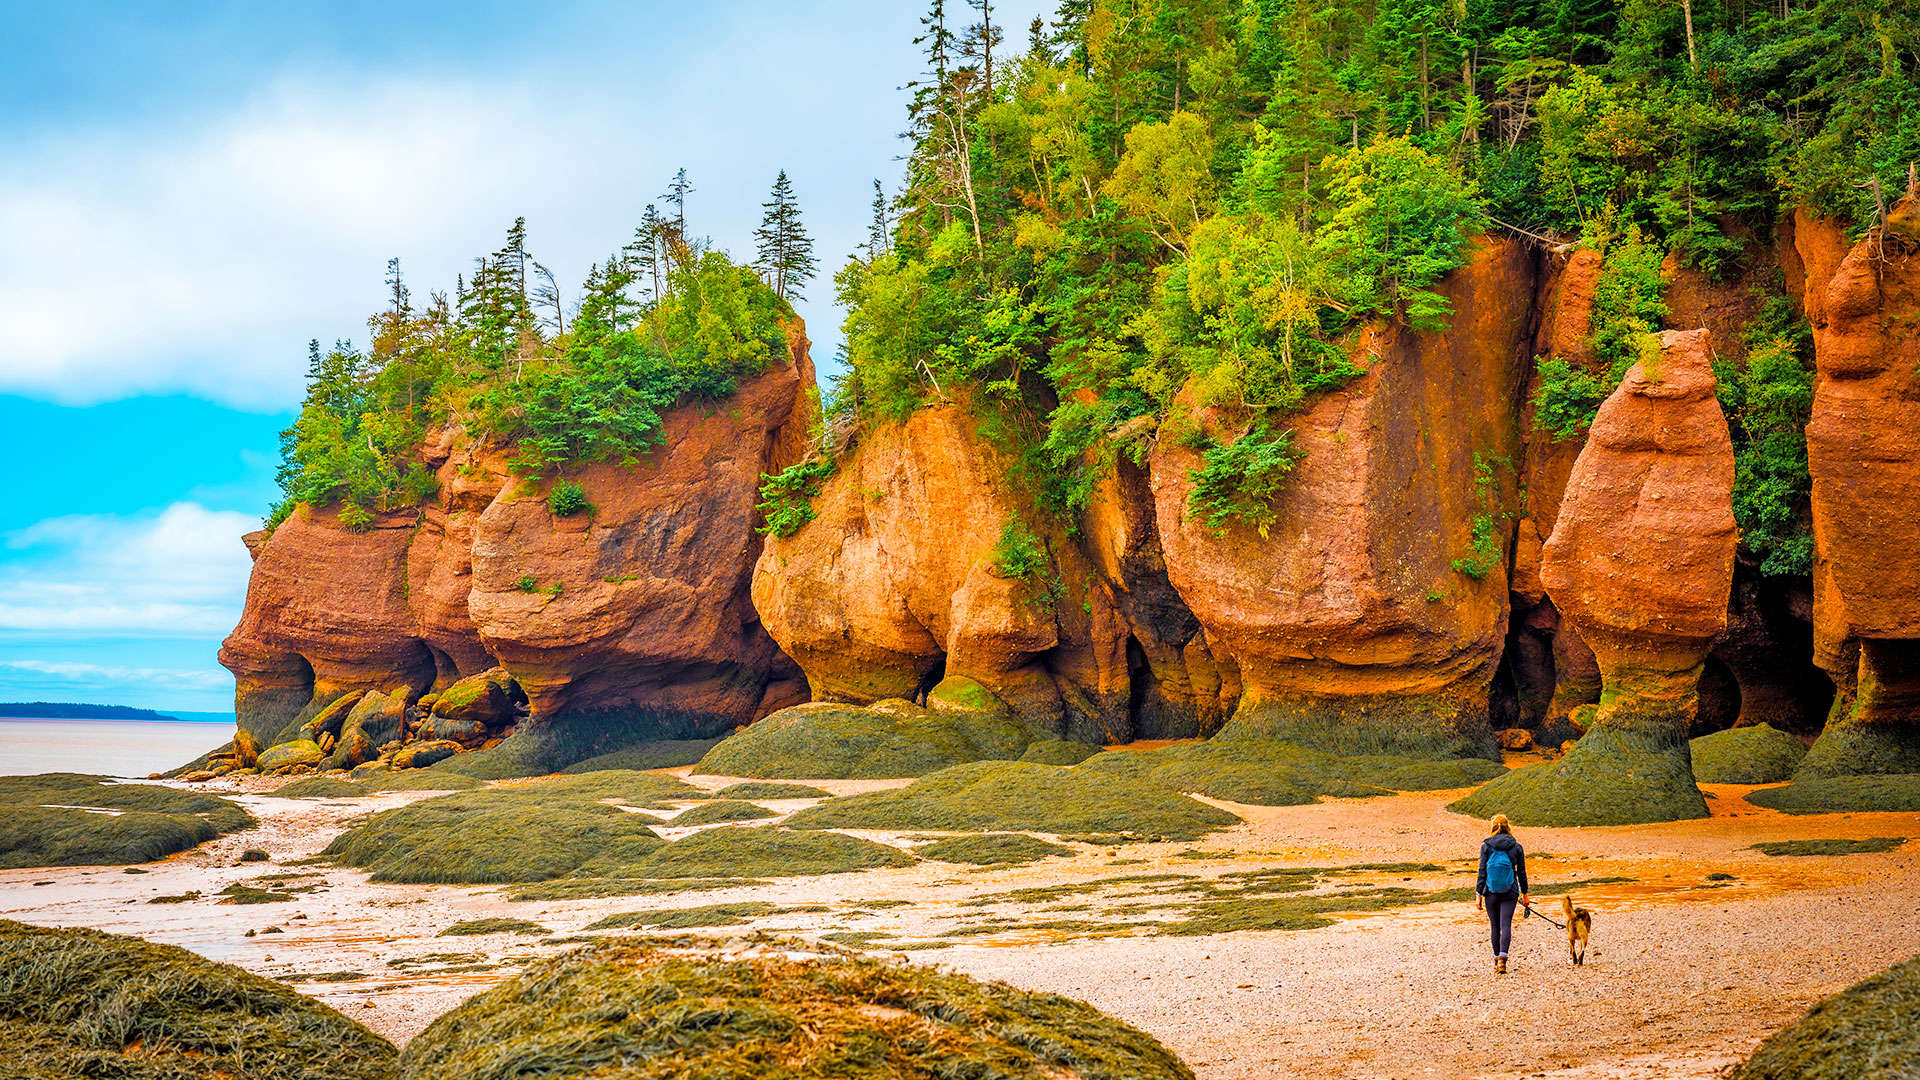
(1641, 563)
(473, 709)
(419, 755)
(1349, 624)
(1515, 739)
(291, 755)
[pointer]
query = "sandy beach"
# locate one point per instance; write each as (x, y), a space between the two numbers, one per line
(1688, 971)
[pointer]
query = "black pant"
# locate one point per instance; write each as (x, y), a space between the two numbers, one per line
(1500, 915)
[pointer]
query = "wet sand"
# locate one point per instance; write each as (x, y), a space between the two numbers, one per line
(1686, 975)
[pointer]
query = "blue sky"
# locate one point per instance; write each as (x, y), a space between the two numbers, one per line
(191, 191)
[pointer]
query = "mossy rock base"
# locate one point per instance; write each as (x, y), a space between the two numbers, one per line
(765, 852)
(551, 744)
(81, 1003)
(1610, 777)
(49, 819)
(1869, 1031)
(852, 1019)
(1843, 795)
(1416, 725)
(991, 849)
(1058, 752)
(891, 739)
(1269, 772)
(1016, 796)
(1862, 750)
(659, 754)
(1760, 754)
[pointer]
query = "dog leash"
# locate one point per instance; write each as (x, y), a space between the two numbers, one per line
(1538, 915)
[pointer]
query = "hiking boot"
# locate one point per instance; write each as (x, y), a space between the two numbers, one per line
(1499, 965)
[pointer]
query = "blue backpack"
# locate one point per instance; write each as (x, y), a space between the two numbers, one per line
(1499, 873)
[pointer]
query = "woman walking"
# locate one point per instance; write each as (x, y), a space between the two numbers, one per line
(1502, 886)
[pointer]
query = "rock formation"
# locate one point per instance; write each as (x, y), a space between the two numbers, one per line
(1641, 563)
(1863, 449)
(629, 621)
(1349, 624)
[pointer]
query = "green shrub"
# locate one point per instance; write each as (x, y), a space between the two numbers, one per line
(847, 1018)
(355, 518)
(567, 498)
(1768, 402)
(723, 810)
(1010, 796)
(1869, 1031)
(43, 823)
(1760, 754)
(991, 849)
(527, 583)
(83, 1003)
(1238, 482)
(1019, 554)
(786, 498)
(1565, 398)
(826, 741)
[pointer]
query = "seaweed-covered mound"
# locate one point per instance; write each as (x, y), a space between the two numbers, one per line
(766, 852)
(759, 789)
(72, 819)
(1898, 792)
(1269, 772)
(991, 849)
(1831, 846)
(824, 741)
(528, 832)
(1058, 752)
(1585, 788)
(77, 1003)
(374, 782)
(1760, 754)
(1017, 796)
(661, 754)
(773, 1018)
(722, 810)
(1869, 1031)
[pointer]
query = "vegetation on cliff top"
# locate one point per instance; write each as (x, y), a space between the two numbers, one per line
(71, 819)
(1214, 193)
(85, 1003)
(663, 320)
(775, 1015)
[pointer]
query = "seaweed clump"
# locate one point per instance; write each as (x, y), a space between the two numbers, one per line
(1843, 794)
(1017, 796)
(530, 832)
(774, 1017)
(661, 754)
(767, 852)
(477, 927)
(73, 819)
(762, 789)
(888, 740)
(1614, 776)
(1058, 752)
(1758, 754)
(723, 810)
(738, 914)
(1869, 1031)
(1831, 846)
(1272, 772)
(86, 1003)
(375, 782)
(991, 849)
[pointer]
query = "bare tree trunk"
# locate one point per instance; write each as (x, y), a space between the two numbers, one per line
(1693, 61)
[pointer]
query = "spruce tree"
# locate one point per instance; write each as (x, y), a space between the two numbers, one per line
(879, 231)
(786, 258)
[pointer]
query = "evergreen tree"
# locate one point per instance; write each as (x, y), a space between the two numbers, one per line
(785, 258)
(879, 230)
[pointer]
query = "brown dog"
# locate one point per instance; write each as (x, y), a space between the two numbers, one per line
(1579, 927)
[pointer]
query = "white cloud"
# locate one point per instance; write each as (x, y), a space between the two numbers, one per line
(61, 674)
(177, 573)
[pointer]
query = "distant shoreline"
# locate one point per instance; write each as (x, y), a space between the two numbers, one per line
(79, 710)
(156, 718)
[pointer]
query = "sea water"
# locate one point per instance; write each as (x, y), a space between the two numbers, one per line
(108, 747)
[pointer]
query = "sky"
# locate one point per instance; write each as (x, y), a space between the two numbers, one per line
(189, 191)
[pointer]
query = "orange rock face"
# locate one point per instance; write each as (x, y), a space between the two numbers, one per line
(636, 612)
(1641, 556)
(1863, 449)
(900, 581)
(1352, 604)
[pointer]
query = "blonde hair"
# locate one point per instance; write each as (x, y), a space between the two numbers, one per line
(1501, 825)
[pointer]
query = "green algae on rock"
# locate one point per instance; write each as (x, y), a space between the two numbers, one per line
(1612, 776)
(73, 819)
(85, 1003)
(774, 1018)
(1843, 794)
(1869, 1031)
(825, 741)
(1760, 754)
(991, 849)
(720, 811)
(766, 852)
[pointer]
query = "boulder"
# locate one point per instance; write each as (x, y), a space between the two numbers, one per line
(1516, 739)
(422, 754)
(1641, 564)
(1349, 624)
(246, 749)
(290, 755)
(469, 709)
